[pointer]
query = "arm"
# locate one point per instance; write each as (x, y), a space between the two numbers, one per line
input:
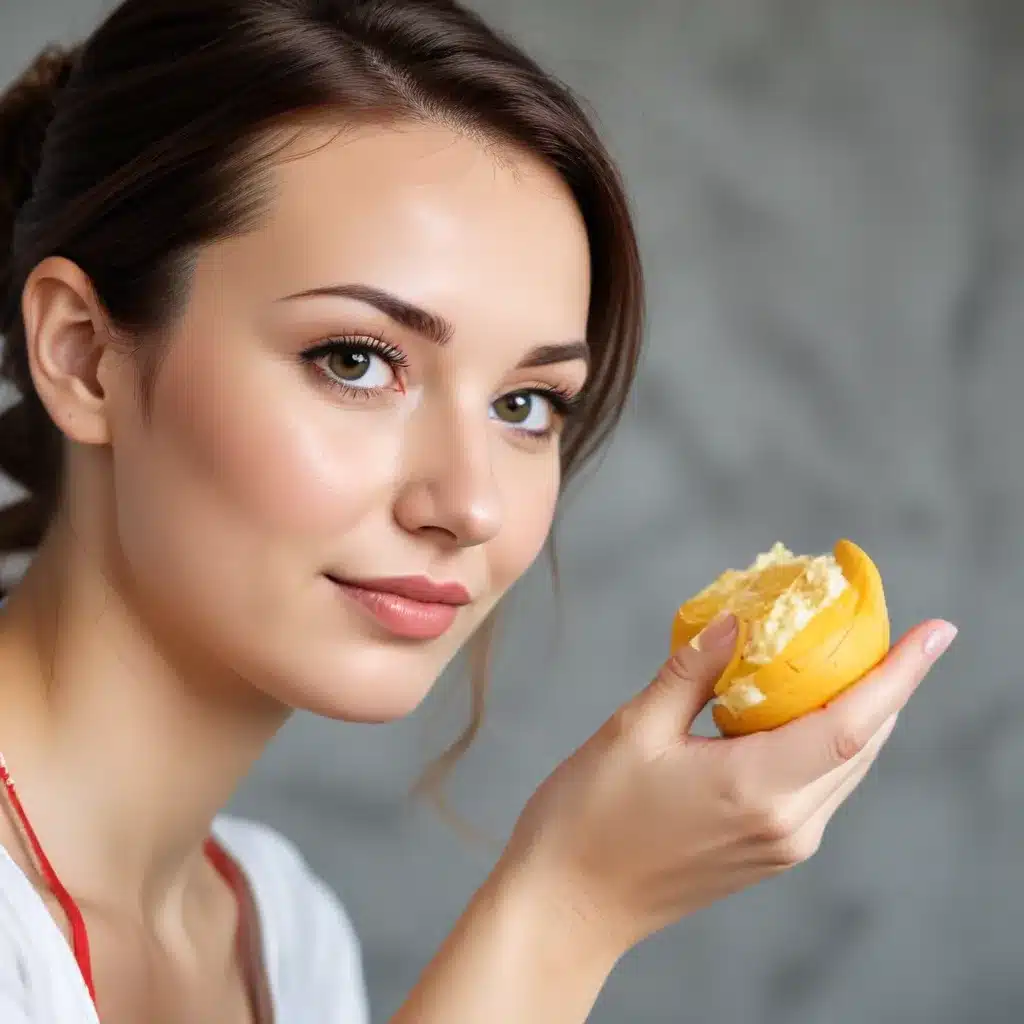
(646, 824)
(515, 956)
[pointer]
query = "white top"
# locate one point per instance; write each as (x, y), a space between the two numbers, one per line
(310, 950)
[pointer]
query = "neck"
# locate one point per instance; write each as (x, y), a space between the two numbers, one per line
(123, 749)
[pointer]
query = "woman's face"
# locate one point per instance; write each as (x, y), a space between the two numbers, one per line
(368, 386)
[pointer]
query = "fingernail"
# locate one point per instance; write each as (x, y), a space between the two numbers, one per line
(719, 633)
(939, 639)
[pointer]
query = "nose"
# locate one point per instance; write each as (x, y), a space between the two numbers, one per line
(449, 487)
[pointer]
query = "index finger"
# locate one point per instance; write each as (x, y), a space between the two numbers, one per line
(796, 754)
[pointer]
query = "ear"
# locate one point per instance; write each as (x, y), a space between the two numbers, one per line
(68, 339)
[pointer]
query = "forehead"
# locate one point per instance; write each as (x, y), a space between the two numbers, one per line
(481, 234)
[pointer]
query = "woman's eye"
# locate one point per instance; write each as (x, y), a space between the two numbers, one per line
(525, 410)
(357, 367)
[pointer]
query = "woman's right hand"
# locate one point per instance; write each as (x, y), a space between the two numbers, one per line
(646, 823)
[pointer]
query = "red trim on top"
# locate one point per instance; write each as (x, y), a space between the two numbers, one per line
(232, 874)
(79, 935)
(220, 859)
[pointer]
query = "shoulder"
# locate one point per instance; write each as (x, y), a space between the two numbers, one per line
(311, 946)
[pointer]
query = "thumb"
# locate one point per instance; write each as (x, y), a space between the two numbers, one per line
(686, 682)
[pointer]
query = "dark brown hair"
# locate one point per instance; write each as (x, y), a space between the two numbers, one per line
(128, 153)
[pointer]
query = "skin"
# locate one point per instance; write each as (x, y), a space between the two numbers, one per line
(194, 613)
(179, 610)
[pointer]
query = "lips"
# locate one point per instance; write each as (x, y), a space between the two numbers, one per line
(413, 608)
(417, 588)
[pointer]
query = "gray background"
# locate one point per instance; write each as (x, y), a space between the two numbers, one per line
(832, 212)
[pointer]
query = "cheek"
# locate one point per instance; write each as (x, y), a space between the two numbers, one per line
(264, 454)
(530, 493)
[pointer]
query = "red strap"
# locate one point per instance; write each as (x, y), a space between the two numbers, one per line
(230, 872)
(79, 935)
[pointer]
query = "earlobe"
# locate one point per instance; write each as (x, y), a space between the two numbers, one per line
(67, 337)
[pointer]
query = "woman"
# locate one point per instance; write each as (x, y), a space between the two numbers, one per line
(312, 306)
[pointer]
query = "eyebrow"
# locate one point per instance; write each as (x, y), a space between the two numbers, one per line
(436, 329)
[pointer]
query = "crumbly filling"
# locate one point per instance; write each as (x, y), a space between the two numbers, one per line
(740, 695)
(815, 581)
(815, 588)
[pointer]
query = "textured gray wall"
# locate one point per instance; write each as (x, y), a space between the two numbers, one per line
(832, 211)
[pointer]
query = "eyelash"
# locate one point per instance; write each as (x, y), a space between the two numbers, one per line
(564, 402)
(357, 343)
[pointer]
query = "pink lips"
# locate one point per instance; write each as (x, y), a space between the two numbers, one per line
(412, 607)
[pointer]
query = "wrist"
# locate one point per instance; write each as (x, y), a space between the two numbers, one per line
(539, 909)
(519, 954)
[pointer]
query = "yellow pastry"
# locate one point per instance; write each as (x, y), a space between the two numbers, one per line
(809, 627)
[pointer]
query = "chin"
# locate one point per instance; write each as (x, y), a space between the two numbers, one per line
(341, 704)
(365, 683)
